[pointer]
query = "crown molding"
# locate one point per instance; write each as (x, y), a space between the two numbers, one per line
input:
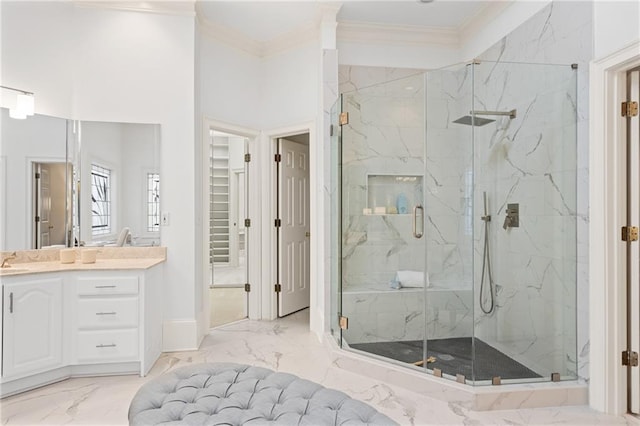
(298, 37)
(361, 32)
(482, 18)
(176, 8)
(229, 36)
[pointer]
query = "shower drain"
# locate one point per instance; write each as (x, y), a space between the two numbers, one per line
(446, 357)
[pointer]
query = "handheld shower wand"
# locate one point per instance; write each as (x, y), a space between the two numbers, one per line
(486, 261)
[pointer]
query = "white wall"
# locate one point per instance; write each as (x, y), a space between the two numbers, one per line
(230, 83)
(111, 65)
(616, 25)
(36, 54)
(291, 87)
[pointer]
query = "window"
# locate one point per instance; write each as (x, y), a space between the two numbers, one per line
(153, 202)
(100, 200)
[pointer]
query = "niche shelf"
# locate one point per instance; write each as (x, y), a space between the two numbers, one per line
(395, 195)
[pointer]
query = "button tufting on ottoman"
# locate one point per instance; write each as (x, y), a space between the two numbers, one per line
(236, 394)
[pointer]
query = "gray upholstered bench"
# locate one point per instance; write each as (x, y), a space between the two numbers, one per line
(235, 394)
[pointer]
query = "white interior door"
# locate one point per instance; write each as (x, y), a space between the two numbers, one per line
(43, 203)
(634, 248)
(294, 231)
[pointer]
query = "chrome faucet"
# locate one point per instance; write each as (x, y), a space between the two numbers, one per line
(5, 261)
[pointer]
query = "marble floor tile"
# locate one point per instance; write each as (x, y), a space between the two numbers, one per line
(283, 345)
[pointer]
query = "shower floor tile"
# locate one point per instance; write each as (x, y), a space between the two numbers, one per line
(453, 356)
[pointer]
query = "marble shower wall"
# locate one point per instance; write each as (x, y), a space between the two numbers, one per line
(383, 141)
(539, 160)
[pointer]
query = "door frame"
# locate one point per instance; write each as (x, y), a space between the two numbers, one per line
(31, 191)
(607, 254)
(254, 212)
(269, 301)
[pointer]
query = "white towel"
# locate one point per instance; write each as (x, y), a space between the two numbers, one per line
(411, 279)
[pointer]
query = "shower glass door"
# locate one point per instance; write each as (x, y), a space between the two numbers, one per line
(525, 163)
(450, 232)
(383, 220)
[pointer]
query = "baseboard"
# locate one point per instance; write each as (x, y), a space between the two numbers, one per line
(180, 335)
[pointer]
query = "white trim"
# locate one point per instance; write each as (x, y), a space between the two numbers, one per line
(297, 37)
(269, 304)
(181, 334)
(607, 274)
(176, 8)
(255, 246)
(364, 32)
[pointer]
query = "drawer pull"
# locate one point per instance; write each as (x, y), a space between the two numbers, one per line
(105, 313)
(105, 286)
(112, 345)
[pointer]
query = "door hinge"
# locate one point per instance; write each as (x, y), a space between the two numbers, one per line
(247, 223)
(344, 118)
(247, 287)
(278, 223)
(278, 158)
(343, 322)
(278, 288)
(629, 233)
(331, 130)
(630, 358)
(37, 175)
(37, 218)
(247, 158)
(629, 109)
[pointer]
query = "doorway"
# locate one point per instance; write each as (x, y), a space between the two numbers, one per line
(630, 235)
(292, 224)
(50, 204)
(228, 227)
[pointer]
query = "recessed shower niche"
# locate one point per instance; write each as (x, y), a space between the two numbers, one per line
(393, 194)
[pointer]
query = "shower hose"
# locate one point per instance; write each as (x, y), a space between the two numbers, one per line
(486, 263)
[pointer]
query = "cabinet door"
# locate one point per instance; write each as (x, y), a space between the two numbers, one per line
(32, 326)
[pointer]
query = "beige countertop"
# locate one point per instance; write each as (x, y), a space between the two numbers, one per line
(39, 262)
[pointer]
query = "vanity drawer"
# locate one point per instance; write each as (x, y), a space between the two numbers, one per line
(108, 345)
(108, 312)
(104, 286)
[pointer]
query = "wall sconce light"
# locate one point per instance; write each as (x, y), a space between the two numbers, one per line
(25, 104)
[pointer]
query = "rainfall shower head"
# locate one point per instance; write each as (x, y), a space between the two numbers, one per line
(472, 120)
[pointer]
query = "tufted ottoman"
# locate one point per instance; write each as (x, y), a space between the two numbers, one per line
(235, 394)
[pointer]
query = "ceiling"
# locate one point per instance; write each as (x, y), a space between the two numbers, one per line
(263, 21)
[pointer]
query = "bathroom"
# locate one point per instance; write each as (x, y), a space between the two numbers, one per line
(91, 80)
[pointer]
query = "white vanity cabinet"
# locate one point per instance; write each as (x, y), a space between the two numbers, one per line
(78, 323)
(32, 325)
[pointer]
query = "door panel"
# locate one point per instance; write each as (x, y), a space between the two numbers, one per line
(32, 326)
(294, 232)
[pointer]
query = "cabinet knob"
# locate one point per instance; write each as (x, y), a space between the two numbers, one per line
(105, 313)
(111, 345)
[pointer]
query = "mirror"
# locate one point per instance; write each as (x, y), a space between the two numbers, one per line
(64, 183)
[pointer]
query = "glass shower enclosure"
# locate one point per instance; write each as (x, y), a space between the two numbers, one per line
(455, 222)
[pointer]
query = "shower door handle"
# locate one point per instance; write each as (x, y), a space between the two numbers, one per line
(416, 233)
